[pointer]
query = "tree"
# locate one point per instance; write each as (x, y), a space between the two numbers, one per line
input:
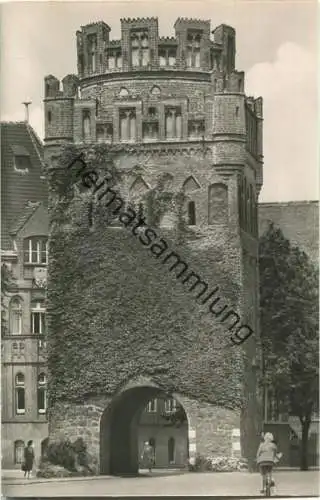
(7, 282)
(289, 328)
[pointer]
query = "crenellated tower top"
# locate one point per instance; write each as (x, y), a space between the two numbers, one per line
(141, 48)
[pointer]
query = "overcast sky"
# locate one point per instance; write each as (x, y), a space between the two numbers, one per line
(276, 47)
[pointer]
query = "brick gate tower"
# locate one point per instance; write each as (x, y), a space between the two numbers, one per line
(162, 306)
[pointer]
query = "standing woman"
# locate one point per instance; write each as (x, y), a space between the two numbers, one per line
(147, 456)
(28, 458)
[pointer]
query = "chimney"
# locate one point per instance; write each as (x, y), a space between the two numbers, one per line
(27, 104)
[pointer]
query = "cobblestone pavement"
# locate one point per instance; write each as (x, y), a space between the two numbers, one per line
(288, 483)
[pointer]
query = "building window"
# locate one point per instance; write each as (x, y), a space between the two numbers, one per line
(193, 50)
(152, 406)
(170, 405)
(171, 450)
(22, 163)
(15, 316)
(127, 124)
(191, 213)
(167, 56)
(42, 393)
(114, 59)
(86, 125)
(35, 250)
(100, 134)
(173, 123)
(92, 47)
(196, 129)
(150, 131)
(105, 133)
(140, 54)
(38, 318)
(18, 451)
(49, 116)
(20, 394)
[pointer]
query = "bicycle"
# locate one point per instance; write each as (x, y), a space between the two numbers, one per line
(269, 485)
(269, 482)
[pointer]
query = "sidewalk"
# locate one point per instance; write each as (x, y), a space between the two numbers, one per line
(15, 476)
(288, 484)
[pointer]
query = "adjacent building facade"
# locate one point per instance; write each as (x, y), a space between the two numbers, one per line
(24, 253)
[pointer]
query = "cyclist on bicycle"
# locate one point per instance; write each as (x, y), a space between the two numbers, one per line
(266, 458)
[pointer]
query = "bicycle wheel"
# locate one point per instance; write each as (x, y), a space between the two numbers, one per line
(268, 487)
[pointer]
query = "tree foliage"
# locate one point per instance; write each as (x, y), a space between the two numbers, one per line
(110, 299)
(289, 323)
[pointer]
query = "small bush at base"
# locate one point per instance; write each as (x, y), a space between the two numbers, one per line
(65, 459)
(217, 464)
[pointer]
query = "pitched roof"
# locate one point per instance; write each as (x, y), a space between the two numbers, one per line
(298, 220)
(17, 189)
(28, 210)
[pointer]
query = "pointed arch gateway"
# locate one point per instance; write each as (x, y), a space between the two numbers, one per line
(119, 428)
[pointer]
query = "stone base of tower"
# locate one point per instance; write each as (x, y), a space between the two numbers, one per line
(109, 427)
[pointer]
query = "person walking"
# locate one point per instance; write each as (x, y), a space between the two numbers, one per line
(28, 459)
(147, 456)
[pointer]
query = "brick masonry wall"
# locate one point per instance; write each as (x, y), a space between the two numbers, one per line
(210, 428)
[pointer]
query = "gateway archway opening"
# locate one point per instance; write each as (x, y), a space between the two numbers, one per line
(138, 415)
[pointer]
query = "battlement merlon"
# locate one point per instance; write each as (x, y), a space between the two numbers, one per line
(70, 85)
(255, 105)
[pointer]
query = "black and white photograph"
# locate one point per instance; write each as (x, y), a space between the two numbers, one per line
(159, 249)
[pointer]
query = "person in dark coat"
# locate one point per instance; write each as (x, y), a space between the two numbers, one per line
(28, 458)
(147, 456)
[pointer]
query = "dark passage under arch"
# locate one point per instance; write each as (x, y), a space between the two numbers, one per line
(119, 428)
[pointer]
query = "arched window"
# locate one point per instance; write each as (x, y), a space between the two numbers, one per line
(38, 318)
(20, 394)
(155, 91)
(171, 450)
(15, 316)
(218, 210)
(191, 213)
(123, 92)
(19, 451)
(35, 250)
(42, 393)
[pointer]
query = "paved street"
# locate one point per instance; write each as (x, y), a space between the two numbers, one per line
(289, 483)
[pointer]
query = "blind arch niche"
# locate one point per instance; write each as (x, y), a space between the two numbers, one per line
(218, 209)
